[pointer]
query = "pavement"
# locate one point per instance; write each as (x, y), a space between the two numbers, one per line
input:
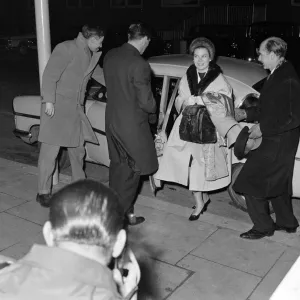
(179, 259)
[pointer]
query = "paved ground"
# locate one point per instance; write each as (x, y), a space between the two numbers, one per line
(205, 259)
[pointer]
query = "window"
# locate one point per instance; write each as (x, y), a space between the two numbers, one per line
(126, 3)
(166, 114)
(80, 3)
(180, 3)
(173, 92)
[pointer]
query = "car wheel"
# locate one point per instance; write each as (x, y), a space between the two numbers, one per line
(238, 200)
(63, 157)
(34, 133)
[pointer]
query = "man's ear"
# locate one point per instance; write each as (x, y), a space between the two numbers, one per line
(119, 243)
(48, 234)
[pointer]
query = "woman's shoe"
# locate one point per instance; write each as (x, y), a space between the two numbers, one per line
(204, 209)
(204, 204)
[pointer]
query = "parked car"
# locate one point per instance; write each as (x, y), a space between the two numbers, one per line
(22, 43)
(259, 31)
(243, 76)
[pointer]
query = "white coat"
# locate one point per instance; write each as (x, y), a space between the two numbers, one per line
(174, 164)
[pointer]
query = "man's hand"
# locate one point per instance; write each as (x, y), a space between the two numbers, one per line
(49, 110)
(128, 285)
(255, 132)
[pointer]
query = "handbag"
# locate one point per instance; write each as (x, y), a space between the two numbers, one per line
(196, 125)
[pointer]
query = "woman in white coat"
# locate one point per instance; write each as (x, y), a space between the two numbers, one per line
(201, 167)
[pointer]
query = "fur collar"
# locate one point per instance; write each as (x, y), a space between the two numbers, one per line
(196, 88)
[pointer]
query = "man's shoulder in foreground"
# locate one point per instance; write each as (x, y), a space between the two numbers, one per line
(46, 271)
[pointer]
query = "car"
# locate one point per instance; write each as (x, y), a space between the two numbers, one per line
(23, 43)
(245, 77)
(257, 32)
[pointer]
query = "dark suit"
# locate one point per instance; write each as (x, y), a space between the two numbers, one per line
(130, 101)
(268, 171)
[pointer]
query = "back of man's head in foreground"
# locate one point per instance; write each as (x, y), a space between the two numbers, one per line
(86, 214)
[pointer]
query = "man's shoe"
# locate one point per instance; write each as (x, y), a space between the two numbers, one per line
(286, 229)
(253, 234)
(132, 219)
(44, 199)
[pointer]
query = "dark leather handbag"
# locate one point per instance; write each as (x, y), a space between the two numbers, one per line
(196, 125)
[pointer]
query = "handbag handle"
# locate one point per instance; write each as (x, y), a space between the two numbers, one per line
(170, 105)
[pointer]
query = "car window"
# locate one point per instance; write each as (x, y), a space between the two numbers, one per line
(156, 85)
(96, 91)
(173, 90)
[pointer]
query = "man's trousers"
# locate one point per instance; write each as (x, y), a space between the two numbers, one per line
(124, 181)
(258, 209)
(47, 161)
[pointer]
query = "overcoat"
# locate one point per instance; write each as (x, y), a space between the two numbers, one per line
(268, 171)
(54, 273)
(174, 164)
(64, 82)
(130, 101)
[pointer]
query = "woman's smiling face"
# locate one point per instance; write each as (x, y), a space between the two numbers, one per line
(201, 59)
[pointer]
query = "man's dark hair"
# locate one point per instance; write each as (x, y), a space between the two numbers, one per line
(86, 212)
(139, 30)
(91, 31)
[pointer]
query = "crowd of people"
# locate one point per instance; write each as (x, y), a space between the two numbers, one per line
(86, 255)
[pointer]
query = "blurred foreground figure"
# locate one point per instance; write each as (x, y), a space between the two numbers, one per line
(84, 235)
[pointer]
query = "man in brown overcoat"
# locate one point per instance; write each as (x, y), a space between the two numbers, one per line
(63, 121)
(130, 101)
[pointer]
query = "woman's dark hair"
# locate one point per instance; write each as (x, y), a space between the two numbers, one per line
(86, 212)
(89, 31)
(139, 30)
(203, 42)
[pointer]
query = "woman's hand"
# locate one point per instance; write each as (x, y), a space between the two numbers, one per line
(49, 110)
(128, 285)
(189, 101)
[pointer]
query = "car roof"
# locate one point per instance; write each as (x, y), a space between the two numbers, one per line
(175, 65)
(241, 74)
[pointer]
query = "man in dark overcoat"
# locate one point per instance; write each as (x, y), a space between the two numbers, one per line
(63, 121)
(130, 101)
(268, 171)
